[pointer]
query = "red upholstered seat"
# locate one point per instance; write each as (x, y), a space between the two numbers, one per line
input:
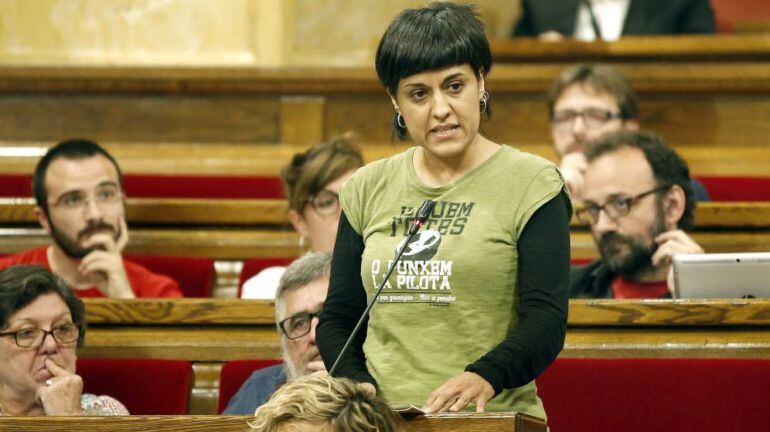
(233, 374)
(656, 394)
(144, 386)
(722, 188)
(255, 265)
(195, 276)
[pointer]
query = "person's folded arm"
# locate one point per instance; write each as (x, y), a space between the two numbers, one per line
(543, 271)
(343, 307)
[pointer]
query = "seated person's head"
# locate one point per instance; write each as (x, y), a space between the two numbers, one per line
(636, 187)
(322, 403)
(298, 301)
(78, 187)
(312, 183)
(40, 319)
(586, 101)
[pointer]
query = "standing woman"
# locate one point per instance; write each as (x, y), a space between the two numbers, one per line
(478, 308)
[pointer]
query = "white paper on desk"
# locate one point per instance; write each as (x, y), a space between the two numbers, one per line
(408, 411)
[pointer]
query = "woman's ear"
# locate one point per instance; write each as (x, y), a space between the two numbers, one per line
(395, 104)
(298, 222)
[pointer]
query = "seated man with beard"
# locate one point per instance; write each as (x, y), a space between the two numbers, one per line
(298, 302)
(78, 187)
(638, 200)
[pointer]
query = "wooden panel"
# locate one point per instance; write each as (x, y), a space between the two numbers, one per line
(187, 311)
(302, 119)
(600, 312)
(237, 244)
(208, 243)
(217, 158)
(236, 212)
(714, 103)
(194, 343)
(140, 118)
(637, 48)
(446, 422)
(204, 393)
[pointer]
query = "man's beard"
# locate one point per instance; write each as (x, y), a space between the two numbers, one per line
(294, 371)
(638, 257)
(71, 247)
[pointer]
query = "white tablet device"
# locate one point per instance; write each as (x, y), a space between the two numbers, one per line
(724, 275)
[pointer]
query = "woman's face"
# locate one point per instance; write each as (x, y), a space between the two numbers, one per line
(318, 223)
(441, 109)
(23, 370)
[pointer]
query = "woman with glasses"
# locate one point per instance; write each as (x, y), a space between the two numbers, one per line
(311, 182)
(42, 323)
(478, 307)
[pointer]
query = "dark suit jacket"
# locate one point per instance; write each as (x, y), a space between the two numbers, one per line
(645, 17)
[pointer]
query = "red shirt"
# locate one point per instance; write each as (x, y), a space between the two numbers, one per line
(143, 282)
(624, 289)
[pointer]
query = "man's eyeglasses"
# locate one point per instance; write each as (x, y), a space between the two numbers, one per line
(615, 208)
(104, 196)
(592, 117)
(298, 325)
(325, 202)
(63, 334)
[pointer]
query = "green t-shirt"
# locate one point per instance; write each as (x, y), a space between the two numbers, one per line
(453, 298)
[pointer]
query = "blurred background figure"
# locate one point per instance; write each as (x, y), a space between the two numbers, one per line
(610, 19)
(42, 323)
(322, 403)
(311, 183)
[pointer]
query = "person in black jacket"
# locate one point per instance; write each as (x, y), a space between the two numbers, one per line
(571, 18)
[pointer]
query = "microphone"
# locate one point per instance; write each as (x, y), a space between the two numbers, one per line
(423, 213)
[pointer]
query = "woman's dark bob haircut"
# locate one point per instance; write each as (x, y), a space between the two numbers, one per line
(20, 285)
(441, 35)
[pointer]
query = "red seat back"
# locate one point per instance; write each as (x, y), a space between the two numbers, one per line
(656, 394)
(195, 276)
(233, 375)
(725, 188)
(144, 386)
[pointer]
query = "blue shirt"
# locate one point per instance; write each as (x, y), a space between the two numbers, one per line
(256, 390)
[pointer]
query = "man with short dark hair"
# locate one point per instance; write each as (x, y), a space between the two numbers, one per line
(585, 102)
(638, 201)
(298, 302)
(78, 187)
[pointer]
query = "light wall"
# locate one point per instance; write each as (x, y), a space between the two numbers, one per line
(206, 32)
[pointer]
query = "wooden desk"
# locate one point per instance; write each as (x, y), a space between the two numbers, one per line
(211, 332)
(470, 422)
(679, 48)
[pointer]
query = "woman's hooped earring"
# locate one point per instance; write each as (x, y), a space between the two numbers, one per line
(400, 120)
(483, 101)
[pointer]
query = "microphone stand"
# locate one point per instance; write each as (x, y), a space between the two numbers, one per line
(412, 231)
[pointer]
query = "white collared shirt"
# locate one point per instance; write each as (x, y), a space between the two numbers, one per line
(610, 15)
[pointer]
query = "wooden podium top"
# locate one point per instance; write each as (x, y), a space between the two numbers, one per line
(469, 422)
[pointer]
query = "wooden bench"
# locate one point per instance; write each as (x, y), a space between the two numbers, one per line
(244, 229)
(711, 103)
(210, 332)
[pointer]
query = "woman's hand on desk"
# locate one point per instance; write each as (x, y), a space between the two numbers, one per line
(458, 392)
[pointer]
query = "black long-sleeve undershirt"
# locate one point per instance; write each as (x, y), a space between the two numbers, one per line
(527, 350)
